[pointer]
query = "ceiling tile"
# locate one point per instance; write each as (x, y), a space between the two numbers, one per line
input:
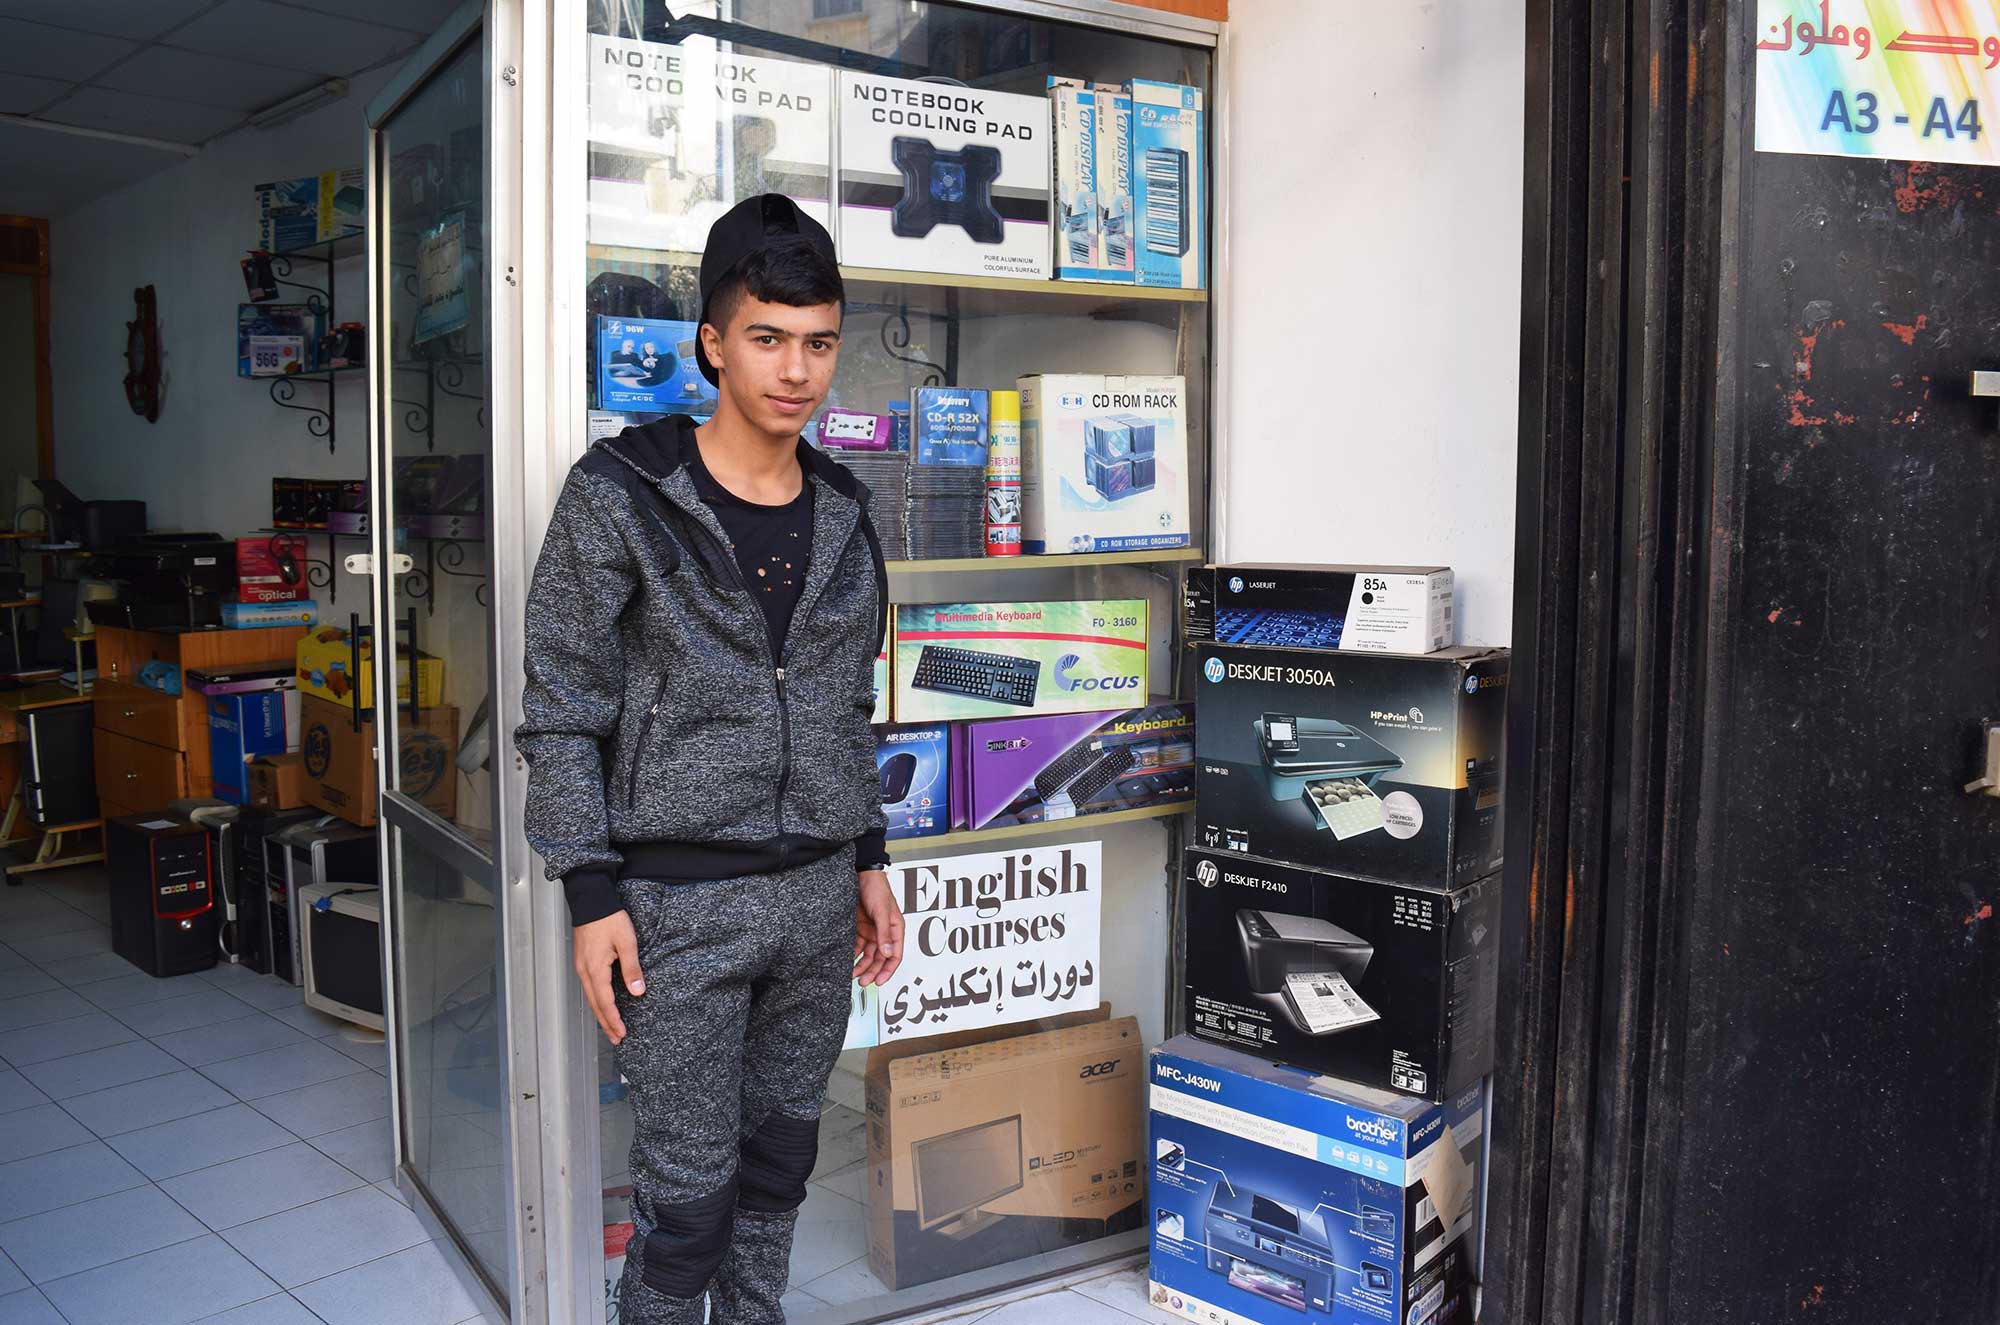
(138, 19)
(273, 34)
(20, 94)
(50, 174)
(422, 17)
(149, 117)
(208, 80)
(36, 48)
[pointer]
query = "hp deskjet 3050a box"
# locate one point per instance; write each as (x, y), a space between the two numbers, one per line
(936, 177)
(1279, 1198)
(1386, 766)
(1387, 986)
(1104, 463)
(1355, 609)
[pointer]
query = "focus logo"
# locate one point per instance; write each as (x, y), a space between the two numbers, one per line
(1066, 682)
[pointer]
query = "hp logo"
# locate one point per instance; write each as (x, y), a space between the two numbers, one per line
(1236, 584)
(1471, 685)
(1213, 669)
(1206, 874)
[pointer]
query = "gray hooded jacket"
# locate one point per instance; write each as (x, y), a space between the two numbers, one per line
(663, 739)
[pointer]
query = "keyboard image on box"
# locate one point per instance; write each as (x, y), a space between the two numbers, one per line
(1064, 770)
(1101, 774)
(977, 675)
(1298, 630)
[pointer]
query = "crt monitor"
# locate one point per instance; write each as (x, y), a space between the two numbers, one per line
(960, 1171)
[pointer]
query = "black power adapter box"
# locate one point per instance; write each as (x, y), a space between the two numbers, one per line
(1386, 986)
(1378, 765)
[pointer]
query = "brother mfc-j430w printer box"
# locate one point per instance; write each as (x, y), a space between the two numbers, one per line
(1281, 1198)
(1389, 987)
(1385, 766)
(1104, 463)
(934, 177)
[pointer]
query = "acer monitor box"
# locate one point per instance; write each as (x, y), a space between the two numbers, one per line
(1295, 1198)
(1382, 766)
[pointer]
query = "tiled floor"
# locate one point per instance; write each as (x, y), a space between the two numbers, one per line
(202, 1148)
(1118, 1298)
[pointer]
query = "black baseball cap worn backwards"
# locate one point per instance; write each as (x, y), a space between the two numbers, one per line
(751, 226)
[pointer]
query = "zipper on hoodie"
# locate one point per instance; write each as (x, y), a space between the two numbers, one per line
(645, 730)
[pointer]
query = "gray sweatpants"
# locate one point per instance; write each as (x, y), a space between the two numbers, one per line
(727, 1055)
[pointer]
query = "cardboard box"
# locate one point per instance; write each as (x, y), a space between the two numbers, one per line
(881, 712)
(1079, 225)
(1390, 987)
(1383, 766)
(260, 573)
(347, 506)
(1114, 182)
(1170, 197)
(992, 1151)
(950, 425)
(648, 366)
(680, 134)
(242, 725)
(914, 764)
(292, 213)
(301, 503)
(1355, 609)
(1031, 770)
(277, 782)
(327, 667)
(273, 340)
(338, 762)
(1280, 1198)
(1059, 657)
(934, 177)
(251, 616)
(1104, 463)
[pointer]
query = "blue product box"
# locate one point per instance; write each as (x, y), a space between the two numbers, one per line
(951, 425)
(1283, 1197)
(914, 765)
(274, 340)
(250, 616)
(1170, 200)
(240, 727)
(646, 365)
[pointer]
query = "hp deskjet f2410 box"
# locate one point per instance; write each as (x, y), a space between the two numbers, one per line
(1385, 766)
(1387, 986)
(1355, 609)
(1104, 463)
(1278, 1197)
(934, 177)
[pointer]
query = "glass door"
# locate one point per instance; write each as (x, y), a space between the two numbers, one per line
(460, 1141)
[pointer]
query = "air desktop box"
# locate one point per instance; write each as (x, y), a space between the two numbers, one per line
(1002, 1148)
(1032, 770)
(1279, 1198)
(1169, 150)
(936, 177)
(914, 766)
(988, 660)
(681, 133)
(1355, 609)
(1104, 463)
(1383, 766)
(1387, 986)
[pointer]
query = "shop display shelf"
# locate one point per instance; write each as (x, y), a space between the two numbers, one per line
(1076, 561)
(329, 250)
(970, 839)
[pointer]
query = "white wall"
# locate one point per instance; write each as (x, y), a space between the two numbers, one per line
(1375, 210)
(209, 460)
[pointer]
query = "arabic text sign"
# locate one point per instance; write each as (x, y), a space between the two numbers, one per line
(1913, 80)
(993, 938)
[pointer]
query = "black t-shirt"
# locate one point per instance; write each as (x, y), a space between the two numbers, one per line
(773, 544)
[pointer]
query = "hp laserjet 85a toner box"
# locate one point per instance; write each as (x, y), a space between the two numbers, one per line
(1387, 986)
(1104, 463)
(1356, 609)
(934, 177)
(1279, 1198)
(1385, 766)
(990, 660)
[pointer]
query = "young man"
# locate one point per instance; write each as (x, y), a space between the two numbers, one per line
(701, 637)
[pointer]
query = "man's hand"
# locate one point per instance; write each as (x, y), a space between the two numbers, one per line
(878, 930)
(598, 945)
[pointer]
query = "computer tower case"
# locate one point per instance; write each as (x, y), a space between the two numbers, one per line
(246, 860)
(162, 893)
(60, 782)
(322, 850)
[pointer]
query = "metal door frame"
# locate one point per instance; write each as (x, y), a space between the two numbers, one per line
(498, 29)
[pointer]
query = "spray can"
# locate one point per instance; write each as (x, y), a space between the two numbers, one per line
(1003, 475)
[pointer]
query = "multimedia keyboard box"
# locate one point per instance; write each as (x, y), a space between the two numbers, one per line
(1169, 147)
(680, 133)
(1384, 766)
(1029, 770)
(1389, 986)
(1002, 1148)
(1355, 609)
(935, 177)
(914, 766)
(1286, 1199)
(987, 660)
(1104, 463)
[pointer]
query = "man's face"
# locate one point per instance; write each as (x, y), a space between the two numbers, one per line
(776, 361)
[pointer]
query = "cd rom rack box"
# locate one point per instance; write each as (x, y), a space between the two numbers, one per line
(1104, 463)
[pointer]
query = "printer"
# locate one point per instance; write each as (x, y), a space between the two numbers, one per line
(1276, 945)
(166, 581)
(1268, 1248)
(1296, 751)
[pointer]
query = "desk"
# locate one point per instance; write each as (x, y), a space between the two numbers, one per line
(13, 703)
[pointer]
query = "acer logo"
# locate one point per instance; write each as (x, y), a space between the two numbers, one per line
(1103, 1069)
